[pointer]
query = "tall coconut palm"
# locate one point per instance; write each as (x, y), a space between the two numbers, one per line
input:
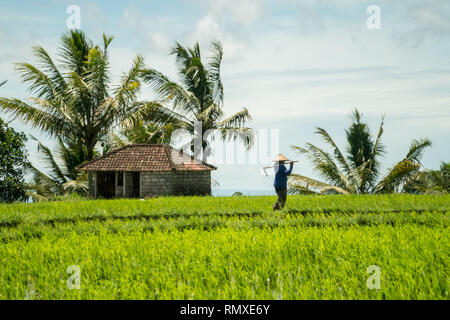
(358, 170)
(76, 99)
(196, 103)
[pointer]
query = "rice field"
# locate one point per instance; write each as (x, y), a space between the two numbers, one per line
(318, 247)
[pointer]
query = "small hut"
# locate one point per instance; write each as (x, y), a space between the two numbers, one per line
(145, 170)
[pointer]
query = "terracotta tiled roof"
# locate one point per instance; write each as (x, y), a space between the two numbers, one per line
(145, 157)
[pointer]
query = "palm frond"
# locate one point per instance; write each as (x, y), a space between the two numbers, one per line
(97, 74)
(417, 148)
(210, 114)
(243, 134)
(169, 91)
(299, 190)
(360, 150)
(337, 153)
(404, 168)
(74, 51)
(195, 80)
(39, 83)
(325, 166)
(181, 55)
(154, 111)
(377, 151)
(42, 186)
(183, 58)
(50, 123)
(50, 163)
(106, 42)
(50, 68)
(80, 185)
(236, 120)
(303, 183)
(193, 74)
(429, 181)
(114, 141)
(71, 154)
(130, 82)
(360, 144)
(107, 116)
(396, 175)
(215, 60)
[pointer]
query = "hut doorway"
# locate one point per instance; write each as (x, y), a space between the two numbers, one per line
(106, 184)
(136, 183)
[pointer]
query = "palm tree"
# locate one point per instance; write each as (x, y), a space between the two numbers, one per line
(440, 179)
(62, 177)
(196, 103)
(429, 181)
(358, 171)
(76, 99)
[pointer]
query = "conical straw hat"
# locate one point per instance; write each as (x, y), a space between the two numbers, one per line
(280, 157)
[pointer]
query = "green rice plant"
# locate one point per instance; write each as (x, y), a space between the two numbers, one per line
(318, 247)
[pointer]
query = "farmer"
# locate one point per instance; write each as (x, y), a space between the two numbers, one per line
(280, 183)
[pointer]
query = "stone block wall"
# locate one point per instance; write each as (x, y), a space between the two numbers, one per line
(156, 183)
(192, 182)
(175, 183)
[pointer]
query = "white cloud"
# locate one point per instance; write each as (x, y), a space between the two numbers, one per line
(154, 36)
(160, 41)
(242, 11)
(292, 76)
(93, 15)
(227, 21)
(422, 21)
(209, 28)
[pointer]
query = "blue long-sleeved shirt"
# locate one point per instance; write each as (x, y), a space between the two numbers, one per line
(281, 174)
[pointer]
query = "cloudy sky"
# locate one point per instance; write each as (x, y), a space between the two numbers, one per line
(294, 64)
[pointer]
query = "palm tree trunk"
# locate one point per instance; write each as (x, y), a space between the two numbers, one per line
(90, 150)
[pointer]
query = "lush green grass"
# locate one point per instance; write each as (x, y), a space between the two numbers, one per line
(227, 248)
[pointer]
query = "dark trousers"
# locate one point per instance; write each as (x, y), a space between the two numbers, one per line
(282, 195)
